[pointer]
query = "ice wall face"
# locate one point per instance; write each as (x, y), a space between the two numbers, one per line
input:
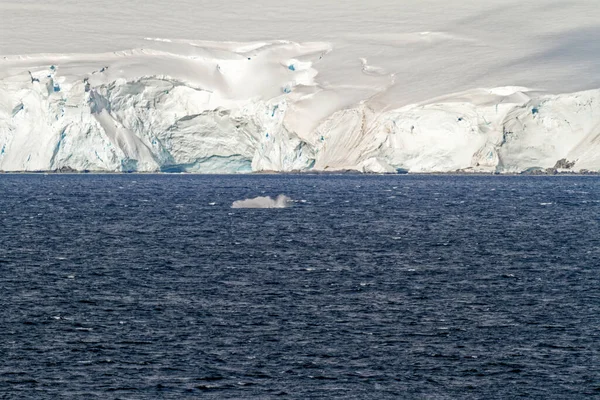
(215, 109)
(242, 107)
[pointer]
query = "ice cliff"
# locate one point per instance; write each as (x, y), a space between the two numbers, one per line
(230, 107)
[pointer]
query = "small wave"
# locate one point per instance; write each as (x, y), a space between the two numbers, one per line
(263, 202)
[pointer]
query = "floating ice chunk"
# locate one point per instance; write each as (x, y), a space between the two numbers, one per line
(263, 202)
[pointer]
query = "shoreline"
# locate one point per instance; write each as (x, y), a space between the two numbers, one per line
(316, 173)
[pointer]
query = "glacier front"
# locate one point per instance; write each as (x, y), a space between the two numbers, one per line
(393, 85)
(213, 107)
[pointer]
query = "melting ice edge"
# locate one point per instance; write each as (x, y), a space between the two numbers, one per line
(210, 107)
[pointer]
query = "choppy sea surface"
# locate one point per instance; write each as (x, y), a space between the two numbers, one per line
(416, 287)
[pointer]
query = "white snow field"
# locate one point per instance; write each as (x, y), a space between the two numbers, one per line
(240, 86)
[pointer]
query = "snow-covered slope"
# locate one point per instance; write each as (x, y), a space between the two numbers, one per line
(380, 89)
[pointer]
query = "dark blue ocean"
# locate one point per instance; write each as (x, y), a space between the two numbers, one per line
(382, 287)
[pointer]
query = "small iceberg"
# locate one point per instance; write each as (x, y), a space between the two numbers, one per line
(281, 201)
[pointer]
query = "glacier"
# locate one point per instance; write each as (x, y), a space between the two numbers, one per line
(251, 107)
(380, 90)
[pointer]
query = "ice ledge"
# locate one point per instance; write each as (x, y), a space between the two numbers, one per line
(211, 107)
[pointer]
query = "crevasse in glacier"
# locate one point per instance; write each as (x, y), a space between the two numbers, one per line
(242, 107)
